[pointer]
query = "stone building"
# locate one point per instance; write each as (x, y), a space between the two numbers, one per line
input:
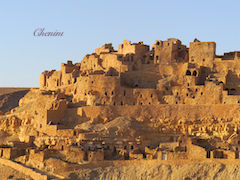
(167, 102)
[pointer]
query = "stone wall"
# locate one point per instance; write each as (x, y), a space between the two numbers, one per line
(25, 170)
(160, 111)
(202, 53)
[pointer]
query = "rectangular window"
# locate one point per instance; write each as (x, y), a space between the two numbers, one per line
(164, 156)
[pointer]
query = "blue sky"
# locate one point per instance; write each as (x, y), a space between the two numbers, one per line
(90, 24)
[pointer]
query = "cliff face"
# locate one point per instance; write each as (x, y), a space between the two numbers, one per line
(198, 171)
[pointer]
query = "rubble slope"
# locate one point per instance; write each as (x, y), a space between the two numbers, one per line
(197, 171)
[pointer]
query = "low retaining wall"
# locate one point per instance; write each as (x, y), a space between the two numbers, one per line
(25, 170)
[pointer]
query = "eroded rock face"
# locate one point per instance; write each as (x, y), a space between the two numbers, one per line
(134, 103)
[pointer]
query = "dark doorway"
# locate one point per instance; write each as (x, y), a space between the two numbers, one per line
(188, 72)
(208, 154)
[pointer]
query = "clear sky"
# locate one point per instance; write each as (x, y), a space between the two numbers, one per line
(90, 24)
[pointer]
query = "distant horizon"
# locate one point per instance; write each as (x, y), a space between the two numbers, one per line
(18, 87)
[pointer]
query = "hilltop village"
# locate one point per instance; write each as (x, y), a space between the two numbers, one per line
(135, 103)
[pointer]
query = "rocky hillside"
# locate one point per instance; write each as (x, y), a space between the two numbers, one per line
(9, 98)
(197, 171)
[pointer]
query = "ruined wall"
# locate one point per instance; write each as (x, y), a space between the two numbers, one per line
(10, 152)
(196, 94)
(75, 155)
(168, 51)
(35, 155)
(96, 91)
(196, 152)
(137, 49)
(54, 79)
(107, 48)
(25, 170)
(162, 111)
(113, 61)
(91, 62)
(87, 87)
(56, 112)
(95, 155)
(231, 99)
(140, 79)
(202, 53)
